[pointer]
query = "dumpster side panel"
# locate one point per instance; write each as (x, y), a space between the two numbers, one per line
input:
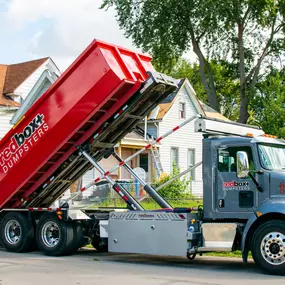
(60, 112)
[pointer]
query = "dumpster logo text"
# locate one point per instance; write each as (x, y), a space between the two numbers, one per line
(22, 142)
(236, 185)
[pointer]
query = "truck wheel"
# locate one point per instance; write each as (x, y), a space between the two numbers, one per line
(17, 233)
(268, 247)
(79, 239)
(191, 256)
(55, 237)
(100, 244)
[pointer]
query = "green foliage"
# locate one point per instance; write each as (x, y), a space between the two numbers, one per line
(184, 69)
(227, 86)
(235, 254)
(155, 26)
(249, 34)
(167, 29)
(177, 189)
(268, 104)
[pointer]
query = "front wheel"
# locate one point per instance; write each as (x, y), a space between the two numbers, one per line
(268, 247)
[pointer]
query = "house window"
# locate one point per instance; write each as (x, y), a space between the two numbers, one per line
(182, 110)
(174, 159)
(191, 162)
(144, 161)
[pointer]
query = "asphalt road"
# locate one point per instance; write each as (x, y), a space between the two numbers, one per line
(90, 267)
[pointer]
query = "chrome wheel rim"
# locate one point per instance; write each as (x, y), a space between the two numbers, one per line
(273, 248)
(13, 232)
(50, 234)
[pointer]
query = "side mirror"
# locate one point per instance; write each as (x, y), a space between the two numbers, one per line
(242, 164)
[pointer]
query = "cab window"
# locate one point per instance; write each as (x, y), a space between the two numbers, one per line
(227, 158)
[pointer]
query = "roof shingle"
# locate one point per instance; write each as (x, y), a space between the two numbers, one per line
(11, 76)
(164, 107)
(3, 69)
(18, 73)
(4, 100)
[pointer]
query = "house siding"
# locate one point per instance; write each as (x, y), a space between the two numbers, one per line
(184, 139)
(5, 117)
(24, 89)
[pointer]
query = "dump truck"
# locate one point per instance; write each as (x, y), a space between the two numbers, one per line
(77, 122)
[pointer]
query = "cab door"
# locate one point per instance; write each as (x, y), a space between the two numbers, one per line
(233, 195)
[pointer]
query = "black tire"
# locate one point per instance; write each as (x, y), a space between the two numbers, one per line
(191, 256)
(100, 244)
(63, 240)
(17, 233)
(267, 247)
(79, 239)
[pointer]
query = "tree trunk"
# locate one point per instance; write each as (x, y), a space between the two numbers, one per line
(207, 78)
(214, 103)
(243, 111)
(244, 98)
(206, 72)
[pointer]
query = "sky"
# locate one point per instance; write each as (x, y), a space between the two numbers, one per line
(60, 29)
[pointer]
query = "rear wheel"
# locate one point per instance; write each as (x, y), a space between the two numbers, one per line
(268, 247)
(55, 237)
(17, 233)
(79, 239)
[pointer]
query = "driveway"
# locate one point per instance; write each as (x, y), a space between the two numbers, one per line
(90, 267)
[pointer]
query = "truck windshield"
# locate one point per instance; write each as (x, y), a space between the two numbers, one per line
(272, 156)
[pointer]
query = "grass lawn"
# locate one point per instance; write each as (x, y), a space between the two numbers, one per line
(149, 204)
(227, 254)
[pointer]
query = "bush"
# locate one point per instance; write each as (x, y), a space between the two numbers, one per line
(178, 188)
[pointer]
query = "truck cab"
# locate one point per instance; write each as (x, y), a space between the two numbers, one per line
(235, 197)
(244, 186)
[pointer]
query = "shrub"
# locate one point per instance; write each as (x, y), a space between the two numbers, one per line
(178, 188)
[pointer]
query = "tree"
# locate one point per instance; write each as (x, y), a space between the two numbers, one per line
(254, 31)
(227, 87)
(184, 69)
(166, 29)
(269, 104)
(250, 33)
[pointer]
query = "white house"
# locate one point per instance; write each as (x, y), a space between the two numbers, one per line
(184, 147)
(21, 85)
